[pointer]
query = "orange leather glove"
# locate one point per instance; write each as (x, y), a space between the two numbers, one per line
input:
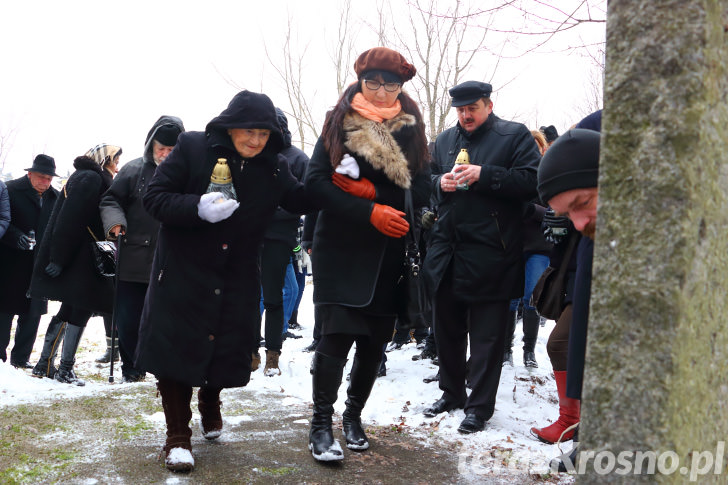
(389, 221)
(360, 188)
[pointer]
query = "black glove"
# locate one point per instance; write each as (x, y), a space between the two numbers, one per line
(555, 228)
(53, 270)
(24, 242)
(428, 220)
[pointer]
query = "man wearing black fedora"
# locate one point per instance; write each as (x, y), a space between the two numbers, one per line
(31, 202)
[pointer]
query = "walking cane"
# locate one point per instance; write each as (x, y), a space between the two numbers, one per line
(113, 314)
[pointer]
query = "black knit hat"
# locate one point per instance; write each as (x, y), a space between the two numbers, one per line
(550, 133)
(167, 135)
(572, 162)
(44, 164)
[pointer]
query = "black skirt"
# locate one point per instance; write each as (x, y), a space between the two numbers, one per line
(356, 321)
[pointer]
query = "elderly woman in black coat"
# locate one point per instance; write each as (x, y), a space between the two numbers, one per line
(361, 228)
(64, 268)
(214, 196)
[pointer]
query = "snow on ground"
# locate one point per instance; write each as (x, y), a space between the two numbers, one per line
(525, 398)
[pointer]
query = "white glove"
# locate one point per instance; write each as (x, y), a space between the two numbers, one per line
(348, 166)
(213, 207)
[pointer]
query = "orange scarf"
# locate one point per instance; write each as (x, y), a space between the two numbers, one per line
(371, 112)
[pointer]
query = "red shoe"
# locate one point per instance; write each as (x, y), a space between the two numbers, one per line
(569, 412)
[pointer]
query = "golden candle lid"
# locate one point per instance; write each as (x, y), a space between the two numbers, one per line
(221, 173)
(463, 157)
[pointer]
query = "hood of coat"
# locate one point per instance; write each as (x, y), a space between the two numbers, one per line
(163, 120)
(283, 123)
(247, 110)
(374, 141)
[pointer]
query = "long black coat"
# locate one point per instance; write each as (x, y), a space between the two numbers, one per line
(199, 321)
(345, 242)
(28, 211)
(122, 204)
(478, 235)
(68, 243)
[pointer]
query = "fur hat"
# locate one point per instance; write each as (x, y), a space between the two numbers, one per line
(384, 59)
(44, 164)
(550, 133)
(572, 162)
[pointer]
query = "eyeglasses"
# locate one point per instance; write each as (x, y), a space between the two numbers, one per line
(374, 85)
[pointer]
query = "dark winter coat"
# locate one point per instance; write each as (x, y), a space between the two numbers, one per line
(478, 235)
(354, 264)
(28, 211)
(199, 321)
(580, 318)
(284, 225)
(122, 204)
(4, 209)
(534, 241)
(69, 244)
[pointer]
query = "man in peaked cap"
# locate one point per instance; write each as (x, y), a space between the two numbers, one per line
(31, 201)
(474, 266)
(125, 218)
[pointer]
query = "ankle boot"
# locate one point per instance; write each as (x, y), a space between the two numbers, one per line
(363, 375)
(271, 363)
(326, 381)
(53, 338)
(531, 322)
(177, 449)
(510, 330)
(208, 403)
(65, 372)
(569, 410)
(566, 463)
(106, 358)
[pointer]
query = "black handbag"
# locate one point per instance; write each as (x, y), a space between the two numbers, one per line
(104, 256)
(417, 302)
(550, 291)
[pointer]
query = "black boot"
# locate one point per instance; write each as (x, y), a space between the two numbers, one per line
(363, 375)
(326, 381)
(65, 372)
(53, 338)
(106, 358)
(567, 462)
(293, 321)
(531, 323)
(208, 403)
(510, 330)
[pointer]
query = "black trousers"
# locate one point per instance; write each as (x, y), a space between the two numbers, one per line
(129, 305)
(25, 333)
(485, 323)
(274, 260)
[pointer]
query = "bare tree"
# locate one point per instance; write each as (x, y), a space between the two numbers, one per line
(7, 138)
(291, 72)
(442, 44)
(342, 50)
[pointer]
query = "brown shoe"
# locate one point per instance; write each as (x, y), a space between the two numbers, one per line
(208, 403)
(255, 362)
(271, 363)
(176, 403)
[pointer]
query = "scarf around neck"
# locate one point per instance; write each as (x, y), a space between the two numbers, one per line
(371, 112)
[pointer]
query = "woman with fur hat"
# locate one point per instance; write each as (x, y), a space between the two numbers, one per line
(64, 269)
(214, 196)
(372, 150)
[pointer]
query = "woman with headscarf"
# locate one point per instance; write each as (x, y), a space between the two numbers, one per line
(371, 151)
(214, 196)
(64, 269)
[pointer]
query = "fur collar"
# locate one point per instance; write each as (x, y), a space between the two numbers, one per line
(374, 141)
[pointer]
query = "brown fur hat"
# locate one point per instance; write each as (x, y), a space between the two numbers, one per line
(384, 59)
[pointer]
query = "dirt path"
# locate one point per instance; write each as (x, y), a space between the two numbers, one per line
(115, 437)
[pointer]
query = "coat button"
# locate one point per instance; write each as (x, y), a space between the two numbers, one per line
(211, 337)
(224, 247)
(217, 291)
